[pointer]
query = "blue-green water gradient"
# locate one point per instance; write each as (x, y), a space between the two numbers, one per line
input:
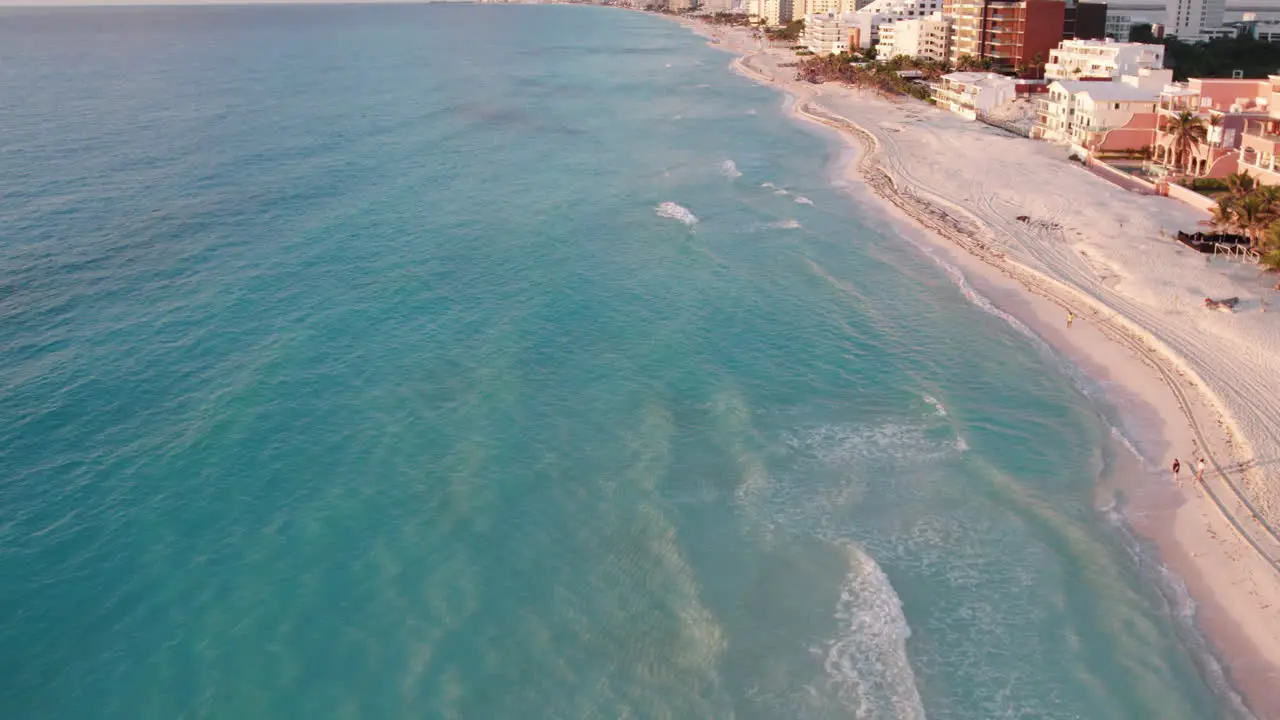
(512, 362)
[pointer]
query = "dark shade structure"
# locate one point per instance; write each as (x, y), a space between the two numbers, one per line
(1085, 21)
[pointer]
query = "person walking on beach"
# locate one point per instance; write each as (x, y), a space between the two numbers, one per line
(1176, 467)
(1200, 469)
(1070, 316)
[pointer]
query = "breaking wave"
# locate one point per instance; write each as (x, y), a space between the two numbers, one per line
(791, 224)
(803, 200)
(867, 664)
(729, 168)
(938, 408)
(676, 212)
(984, 304)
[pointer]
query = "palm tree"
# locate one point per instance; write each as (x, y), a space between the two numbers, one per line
(1037, 64)
(1254, 213)
(1224, 214)
(1271, 193)
(969, 63)
(1270, 257)
(1186, 131)
(1240, 184)
(1216, 120)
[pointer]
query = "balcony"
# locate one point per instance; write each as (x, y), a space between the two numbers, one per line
(1175, 105)
(1260, 165)
(1261, 133)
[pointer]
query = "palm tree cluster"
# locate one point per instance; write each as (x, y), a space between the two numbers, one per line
(727, 18)
(880, 76)
(791, 31)
(1254, 211)
(969, 63)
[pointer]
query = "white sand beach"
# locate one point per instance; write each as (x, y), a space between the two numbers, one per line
(1186, 381)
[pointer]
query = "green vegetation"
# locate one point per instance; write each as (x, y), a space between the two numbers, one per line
(1252, 210)
(969, 63)
(727, 18)
(1206, 185)
(1215, 58)
(790, 31)
(880, 76)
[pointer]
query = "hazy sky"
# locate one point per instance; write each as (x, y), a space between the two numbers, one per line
(63, 3)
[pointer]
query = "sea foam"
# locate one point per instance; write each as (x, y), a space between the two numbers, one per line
(868, 664)
(856, 445)
(676, 212)
(729, 168)
(938, 408)
(803, 200)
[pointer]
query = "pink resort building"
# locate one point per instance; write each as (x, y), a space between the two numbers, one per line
(1261, 139)
(1225, 107)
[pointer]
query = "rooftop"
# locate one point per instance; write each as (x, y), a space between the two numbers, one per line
(980, 79)
(1115, 91)
(1105, 43)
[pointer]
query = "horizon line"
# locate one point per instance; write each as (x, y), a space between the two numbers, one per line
(38, 5)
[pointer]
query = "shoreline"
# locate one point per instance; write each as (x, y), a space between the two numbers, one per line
(1215, 538)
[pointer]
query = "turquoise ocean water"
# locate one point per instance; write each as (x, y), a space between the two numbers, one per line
(514, 362)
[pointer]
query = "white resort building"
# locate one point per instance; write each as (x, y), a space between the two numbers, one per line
(969, 94)
(828, 7)
(865, 24)
(826, 34)
(1115, 116)
(1093, 59)
(927, 37)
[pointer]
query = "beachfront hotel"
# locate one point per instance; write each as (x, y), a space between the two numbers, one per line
(1012, 33)
(826, 34)
(971, 94)
(1224, 107)
(829, 7)
(1260, 142)
(864, 25)
(1101, 59)
(928, 38)
(1102, 117)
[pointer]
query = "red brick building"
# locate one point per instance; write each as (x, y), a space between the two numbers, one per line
(1015, 34)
